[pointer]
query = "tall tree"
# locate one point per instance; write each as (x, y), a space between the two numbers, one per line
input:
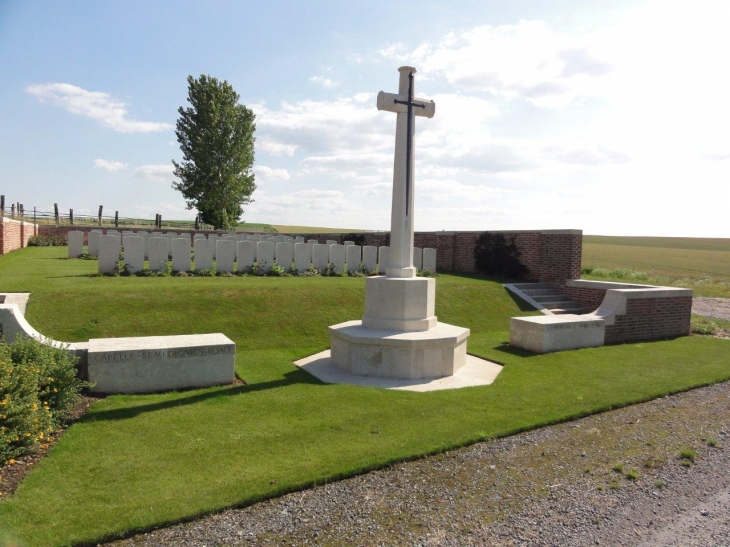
(216, 138)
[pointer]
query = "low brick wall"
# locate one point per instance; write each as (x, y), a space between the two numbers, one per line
(15, 234)
(651, 319)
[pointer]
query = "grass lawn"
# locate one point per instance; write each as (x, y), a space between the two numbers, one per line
(135, 462)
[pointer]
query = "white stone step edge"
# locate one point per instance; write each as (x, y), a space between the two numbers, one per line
(516, 288)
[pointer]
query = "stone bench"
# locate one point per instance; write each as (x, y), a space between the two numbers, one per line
(548, 333)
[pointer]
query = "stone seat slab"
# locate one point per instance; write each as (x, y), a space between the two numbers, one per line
(548, 333)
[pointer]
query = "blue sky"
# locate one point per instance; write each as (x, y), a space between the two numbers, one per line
(611, 117)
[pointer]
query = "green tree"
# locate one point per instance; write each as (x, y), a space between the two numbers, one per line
(216, 138)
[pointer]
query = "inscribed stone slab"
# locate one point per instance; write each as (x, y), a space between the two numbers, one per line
(134, 253)
(418, 258)
(370, 257)
(285, 254)
(225, 252)
(383, 259)
(320, 257)
(181, 254)
(265, 255)
(109, 248)
(203, 254)
(353, 258)
(75, 244)
(429, 260)
(158, 254)
(302, 256)
(337, 258)
(245, 255)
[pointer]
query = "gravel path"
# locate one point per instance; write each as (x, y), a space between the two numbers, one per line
(611, 479)
(719, 308)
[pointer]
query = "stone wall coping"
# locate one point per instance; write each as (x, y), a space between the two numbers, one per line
(15, 221)
(629, 291)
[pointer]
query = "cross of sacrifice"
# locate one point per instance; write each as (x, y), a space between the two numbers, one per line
(407, 107)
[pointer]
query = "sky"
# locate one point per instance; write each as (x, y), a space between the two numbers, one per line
(611, 117)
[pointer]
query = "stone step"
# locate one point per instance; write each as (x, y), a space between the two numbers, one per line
(552, 297)
(530, 286)
(532, 293)
(569, 310)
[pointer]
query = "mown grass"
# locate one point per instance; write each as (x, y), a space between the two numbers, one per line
(135, 462)
(287, 229)
(699, 264)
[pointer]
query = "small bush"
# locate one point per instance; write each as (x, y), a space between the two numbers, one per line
(494, 255)
(688, 455)
(311, 272)
(277, 271)
(48, 240)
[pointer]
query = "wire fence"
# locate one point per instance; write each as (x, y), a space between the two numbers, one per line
(58, 217)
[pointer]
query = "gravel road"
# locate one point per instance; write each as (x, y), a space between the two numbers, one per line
(719, 308)
(616, 479)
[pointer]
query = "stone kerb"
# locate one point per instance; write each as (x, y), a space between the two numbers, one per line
(302, 256)
(320, 256)
(75, 244)
(285, 254)
(265, 255)
(337, 258)
(134, 253)
(181, 254)
(245, 255)
(203, 254)
(158, 254)
(353, 257)
(225, 254)
(109, 250)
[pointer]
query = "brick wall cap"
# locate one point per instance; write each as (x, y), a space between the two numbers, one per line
(655, 292)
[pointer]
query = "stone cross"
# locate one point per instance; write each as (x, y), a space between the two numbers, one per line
(407, 107)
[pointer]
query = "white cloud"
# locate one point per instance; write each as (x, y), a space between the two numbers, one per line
(268, 174)
(157, 173)
(109, 165)
(96, 105)
(326, 82)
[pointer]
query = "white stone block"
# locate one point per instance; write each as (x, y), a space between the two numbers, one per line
(75, 243)
(429, 260)
(383, 259)
(548, 333)
(203, 254)
(134, 253)
(337, 258)
(370, 257)
(402, 304)
(353, 257)
(285, 255)
(245, 255)
(94, 236)
(158, 254)
(320, 257)
(160, 363)
(265, 255)
(302, 256)
(181, 254)
(225, 252)
(109, 249)
(418, 258)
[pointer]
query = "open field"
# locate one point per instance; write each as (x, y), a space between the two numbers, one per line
(137, 462)
(699, 264)
(286, 229)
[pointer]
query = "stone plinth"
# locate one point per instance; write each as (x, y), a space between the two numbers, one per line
(438, 352)
(400, 304)
(548, 333)
(160, 363)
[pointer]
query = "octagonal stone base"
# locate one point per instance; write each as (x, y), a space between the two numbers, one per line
(435, 353)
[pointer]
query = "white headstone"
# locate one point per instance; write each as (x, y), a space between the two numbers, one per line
(265, 256)
(383, 259)
(299, 239)
(158, 254)
(302, 256)
(254, 237)
(134, 253)
(225, 252)
(418, 258)
(348, 243)
(370, 257)
(203, 254)
(312, 241)
(281, 237)
(109, 248)
(94, 236)
(75, 243)
(337, 258)
(429, 260)
(125, 235)
(146, 236)
(331, 242)
(181, 254)
(353, 257)
(320, 257)
(245, 255)
(114, 233)
(199, 236)
(285, 255)
(214, 238)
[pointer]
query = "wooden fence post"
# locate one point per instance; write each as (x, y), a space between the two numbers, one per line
(2, 206)
(71, 216)
(116, 219)
(101, 208)
(12, 210)
(55, 213)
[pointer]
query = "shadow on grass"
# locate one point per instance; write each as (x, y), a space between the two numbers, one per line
(521, 304)
(515, 351)
(290, 378)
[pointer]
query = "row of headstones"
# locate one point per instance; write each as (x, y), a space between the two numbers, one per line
(287, 254)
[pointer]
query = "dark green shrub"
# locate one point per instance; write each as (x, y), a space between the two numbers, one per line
(48, 240)
(494, 255)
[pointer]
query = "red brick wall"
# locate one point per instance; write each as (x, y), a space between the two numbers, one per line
(15, 234)
(651, 319)
(588, 298)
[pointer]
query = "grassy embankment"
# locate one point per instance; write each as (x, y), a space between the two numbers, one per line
(136, 462)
